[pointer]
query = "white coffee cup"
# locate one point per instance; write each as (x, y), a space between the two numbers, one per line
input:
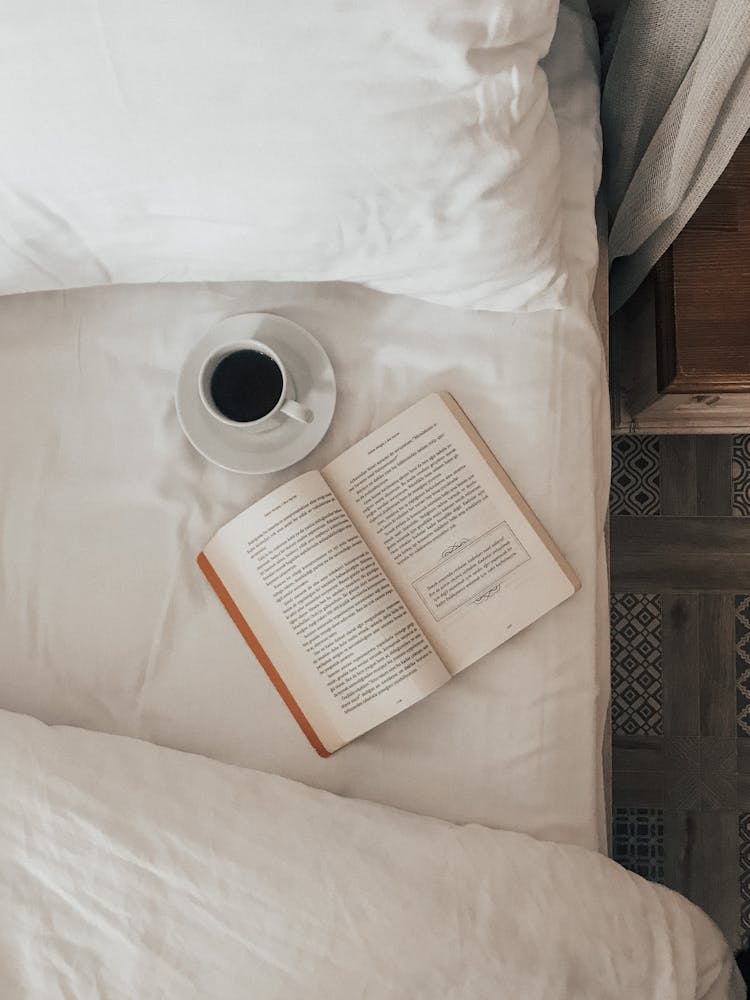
(286, 405)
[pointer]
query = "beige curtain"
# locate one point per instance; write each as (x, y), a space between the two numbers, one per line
(675, 105)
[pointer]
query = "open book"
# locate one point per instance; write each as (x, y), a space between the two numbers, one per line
(364, 587)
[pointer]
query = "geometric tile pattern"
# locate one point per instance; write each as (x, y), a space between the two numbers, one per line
(638, 840)
(683, 767)
(701, 773)
(635, 487)
(741, 475)
(718, 773)
(636, 658)
(744, 841)
(742, 661)
(682, 773)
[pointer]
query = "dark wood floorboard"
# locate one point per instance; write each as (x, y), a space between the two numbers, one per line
(679, 851)
(680, 659)
(677, 466)
(713, 462)
(657, 554)
(718, 705)
(714, 884)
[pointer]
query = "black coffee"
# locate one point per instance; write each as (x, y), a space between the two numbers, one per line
(246, 385)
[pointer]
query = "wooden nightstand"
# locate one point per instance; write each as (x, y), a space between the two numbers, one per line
(681, 346)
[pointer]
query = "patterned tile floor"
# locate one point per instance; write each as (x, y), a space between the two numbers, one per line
(681, 679)
(638, 840)
(742, 661)
(741, 475)
(635, 630)
(744, 865)
(635, 475)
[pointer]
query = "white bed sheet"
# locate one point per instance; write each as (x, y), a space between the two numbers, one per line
(106, 621)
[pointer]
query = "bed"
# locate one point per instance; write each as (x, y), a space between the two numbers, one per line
(106, 623)
(117, 630)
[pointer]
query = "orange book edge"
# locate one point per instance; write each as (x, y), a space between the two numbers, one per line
(251, 639)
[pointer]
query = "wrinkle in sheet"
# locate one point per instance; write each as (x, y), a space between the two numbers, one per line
(162, 623)
(78, 336)
(108, 55)
(54, 236)
(24, 253)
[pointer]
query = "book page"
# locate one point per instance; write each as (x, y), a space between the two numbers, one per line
(458, 542)
(339, 635)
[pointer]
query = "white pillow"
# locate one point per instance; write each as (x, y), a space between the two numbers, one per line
(405, 144)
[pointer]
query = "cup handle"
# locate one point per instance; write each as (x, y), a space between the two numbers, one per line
(293, 409)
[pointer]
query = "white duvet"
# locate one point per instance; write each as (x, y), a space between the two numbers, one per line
(132, 871)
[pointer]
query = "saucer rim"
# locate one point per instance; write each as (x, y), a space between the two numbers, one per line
(215, 334)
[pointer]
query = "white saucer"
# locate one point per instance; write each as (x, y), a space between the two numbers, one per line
(240, 449)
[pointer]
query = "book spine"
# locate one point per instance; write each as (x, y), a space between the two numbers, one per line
(252, 640)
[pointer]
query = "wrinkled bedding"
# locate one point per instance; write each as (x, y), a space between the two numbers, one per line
(129, 870)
